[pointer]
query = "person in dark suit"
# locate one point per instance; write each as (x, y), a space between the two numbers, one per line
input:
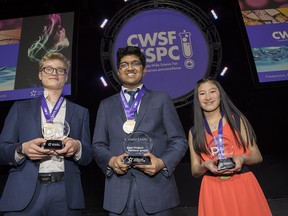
(44, 180)
(131, 188)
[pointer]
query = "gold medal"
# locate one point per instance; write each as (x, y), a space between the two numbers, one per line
(225, 177)
(49, 130)
(128, 126)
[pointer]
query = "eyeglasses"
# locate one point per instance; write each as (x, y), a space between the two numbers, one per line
(50, 70)
(134, 64)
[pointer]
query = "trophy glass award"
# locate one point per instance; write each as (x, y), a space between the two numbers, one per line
(55, 133)
(223, 149)
(136, 144)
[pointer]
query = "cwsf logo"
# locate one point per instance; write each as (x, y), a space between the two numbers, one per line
(280, 35)
(162, 44)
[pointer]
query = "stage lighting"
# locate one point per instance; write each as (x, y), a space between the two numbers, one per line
(179, 23)
(104, 23)
(224, 71)
(214, 14)
(103, 81)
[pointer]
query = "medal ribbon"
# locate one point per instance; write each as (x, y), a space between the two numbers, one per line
(218, 140)
(130, 111)
(50, 116)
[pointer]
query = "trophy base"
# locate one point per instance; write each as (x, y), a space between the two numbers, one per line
(134, 160)
(226, 163)
(53, 144)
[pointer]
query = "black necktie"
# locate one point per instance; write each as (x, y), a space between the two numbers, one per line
(132, 96)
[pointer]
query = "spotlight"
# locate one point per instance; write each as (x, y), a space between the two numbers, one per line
(214, 14)
(104, 23)
(103, 81)
(224, 71)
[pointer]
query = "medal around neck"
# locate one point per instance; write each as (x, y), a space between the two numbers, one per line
(55, 133)
(136, 145)
(223, 149)
(129, 126)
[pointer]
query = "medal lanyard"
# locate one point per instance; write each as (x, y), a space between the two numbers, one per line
(129, 111)
(50, 116)
(218, 140)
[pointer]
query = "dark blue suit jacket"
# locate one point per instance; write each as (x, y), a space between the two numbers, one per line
(23, 123)
(158, 118)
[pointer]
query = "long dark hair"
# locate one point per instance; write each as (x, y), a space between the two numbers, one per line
(229, 111)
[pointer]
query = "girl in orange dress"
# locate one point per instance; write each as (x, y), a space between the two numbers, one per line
(222, 144)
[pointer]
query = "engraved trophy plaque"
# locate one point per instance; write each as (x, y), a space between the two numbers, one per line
(136, 145)
(55, 133)
(223, 149)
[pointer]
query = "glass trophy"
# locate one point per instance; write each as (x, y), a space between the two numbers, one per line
(55, 133)
(136, 145)
(222, 148)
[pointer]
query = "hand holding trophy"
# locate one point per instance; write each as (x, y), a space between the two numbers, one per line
(55, 133)
(136, 145)
(223, 149)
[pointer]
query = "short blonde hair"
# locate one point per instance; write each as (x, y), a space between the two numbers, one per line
(54, 55)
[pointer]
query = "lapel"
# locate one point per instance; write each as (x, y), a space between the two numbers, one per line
(119, 107)
(69, 111)
(36, 113)
(145, 103)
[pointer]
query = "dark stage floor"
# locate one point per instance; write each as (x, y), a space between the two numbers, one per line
(279, 207)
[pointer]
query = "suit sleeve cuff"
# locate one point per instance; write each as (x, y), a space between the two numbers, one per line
(165, 172)
(109, 171)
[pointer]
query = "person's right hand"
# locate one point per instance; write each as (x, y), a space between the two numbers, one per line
(116, 163)
(33, 150)
(210, 165)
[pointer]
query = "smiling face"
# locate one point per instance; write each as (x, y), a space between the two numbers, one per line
(209, 96)
(132, 75)
(53, 81)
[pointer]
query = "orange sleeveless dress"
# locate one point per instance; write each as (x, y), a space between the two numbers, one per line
(240, 195)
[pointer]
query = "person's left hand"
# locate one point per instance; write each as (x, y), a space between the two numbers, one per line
(71, 147)
(151, 169)
(239, 161)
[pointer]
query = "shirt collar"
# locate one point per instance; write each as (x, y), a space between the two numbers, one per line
(139, 87)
